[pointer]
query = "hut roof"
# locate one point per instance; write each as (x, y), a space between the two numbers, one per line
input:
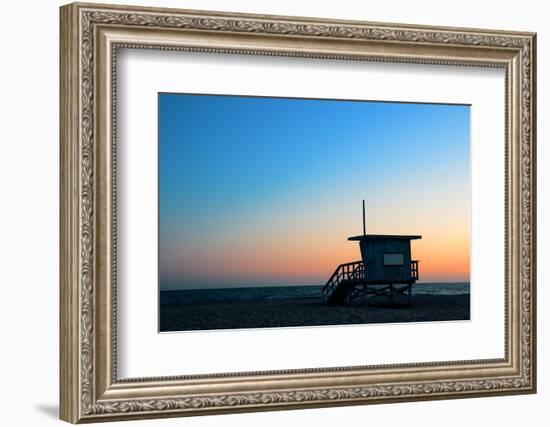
(384, 236)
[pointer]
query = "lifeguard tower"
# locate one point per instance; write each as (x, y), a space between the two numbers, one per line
(385, 270)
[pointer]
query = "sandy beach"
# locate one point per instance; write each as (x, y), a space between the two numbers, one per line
(308, 312)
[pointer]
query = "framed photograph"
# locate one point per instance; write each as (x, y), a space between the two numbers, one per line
(266, 212)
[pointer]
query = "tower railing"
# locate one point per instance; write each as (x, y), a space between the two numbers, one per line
(414, 269)
(354, 272)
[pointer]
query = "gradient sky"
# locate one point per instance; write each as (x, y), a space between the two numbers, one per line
(265, 191)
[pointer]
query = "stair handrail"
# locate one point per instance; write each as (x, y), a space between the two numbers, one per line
(354, 270)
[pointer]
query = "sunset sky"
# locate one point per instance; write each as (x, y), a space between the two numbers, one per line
(265, 191)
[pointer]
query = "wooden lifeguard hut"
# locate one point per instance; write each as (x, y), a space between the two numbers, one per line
(386, 269)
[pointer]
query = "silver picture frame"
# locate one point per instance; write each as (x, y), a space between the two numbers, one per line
(90, 37)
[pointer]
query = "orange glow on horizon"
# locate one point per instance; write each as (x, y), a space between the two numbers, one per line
(313, 258)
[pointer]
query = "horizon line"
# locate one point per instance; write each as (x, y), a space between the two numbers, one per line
(293, 286)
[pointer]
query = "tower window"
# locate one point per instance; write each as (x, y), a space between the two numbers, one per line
(394, 259)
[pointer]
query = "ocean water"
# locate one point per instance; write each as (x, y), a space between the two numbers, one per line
(188, 296)
(445, 288)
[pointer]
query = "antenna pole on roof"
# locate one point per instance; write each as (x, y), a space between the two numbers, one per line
(364, 223)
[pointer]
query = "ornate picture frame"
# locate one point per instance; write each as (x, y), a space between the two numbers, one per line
(90, 37)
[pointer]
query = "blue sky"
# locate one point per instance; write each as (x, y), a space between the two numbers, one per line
(253, 190)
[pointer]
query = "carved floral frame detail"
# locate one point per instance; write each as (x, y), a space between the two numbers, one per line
(87, 395)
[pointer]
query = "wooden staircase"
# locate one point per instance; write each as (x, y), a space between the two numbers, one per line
(338, 288)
